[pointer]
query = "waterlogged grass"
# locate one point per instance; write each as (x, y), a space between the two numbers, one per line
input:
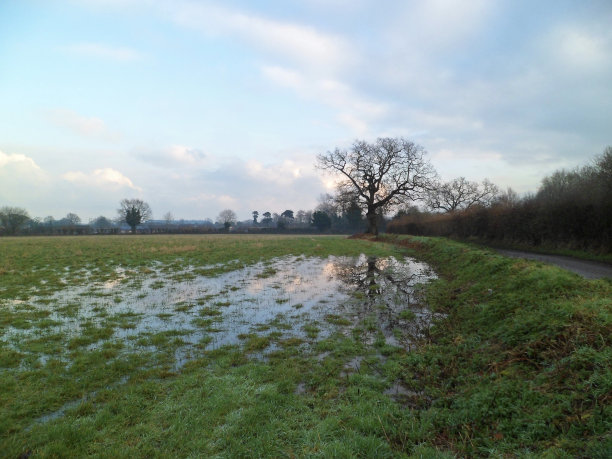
(517, 363)
(74, 382)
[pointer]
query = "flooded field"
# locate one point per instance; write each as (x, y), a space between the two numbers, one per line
(133, 343)
(292, 297)
(295, 346)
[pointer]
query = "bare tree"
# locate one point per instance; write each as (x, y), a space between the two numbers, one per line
(461, 194)
(72, 219)
(227, 217)
(168, 218)
(328, 204)
(101, 224)
(382, 174)
(134, 212)
(508, 198)
(300, 216)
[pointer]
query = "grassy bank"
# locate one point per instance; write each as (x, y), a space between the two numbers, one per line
(522, 364)
(517, 363)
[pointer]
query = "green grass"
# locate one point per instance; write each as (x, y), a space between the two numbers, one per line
(522, 363)
(519, 366)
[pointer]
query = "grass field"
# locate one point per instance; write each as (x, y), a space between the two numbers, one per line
(158, 346)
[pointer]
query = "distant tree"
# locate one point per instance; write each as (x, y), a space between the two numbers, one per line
(72, 219)
(168, 218)
(49, 220)
(134, 212)
(353, 215)
(307, 217)
(461, 194)
(387, 172)
(404, 211)
(603, 166)
(12, 219)
(284, 219)
(508, 198)
(267, 219)
(328, 204)
(300, 216)
(101, 223)
(227, 217)
(255, 217)
(321, 220)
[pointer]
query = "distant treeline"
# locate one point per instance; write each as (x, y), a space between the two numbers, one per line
(16, 221)
(571, 209)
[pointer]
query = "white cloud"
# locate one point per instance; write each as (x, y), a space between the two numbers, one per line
(580, 49)
(82, 125)
(21, 179)
(214, 200)
(353, 110)
(186, 155)
(318, 59)
(445, 23)
(284, 173)
(21, 161)
(98, 50)
(103, 178)
(291, 41)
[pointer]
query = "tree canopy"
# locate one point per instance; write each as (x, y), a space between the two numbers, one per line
(321, 220)
(461, 193)
(380, 175)
(134, 212)
(12, 219)
(227, 217)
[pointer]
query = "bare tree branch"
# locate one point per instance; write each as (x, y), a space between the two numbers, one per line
(387, 172)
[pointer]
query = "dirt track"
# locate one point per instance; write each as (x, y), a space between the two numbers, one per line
(587, 269)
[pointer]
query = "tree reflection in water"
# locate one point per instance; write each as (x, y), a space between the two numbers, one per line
(388, 292)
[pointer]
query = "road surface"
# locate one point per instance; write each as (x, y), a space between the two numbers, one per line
(586, 268)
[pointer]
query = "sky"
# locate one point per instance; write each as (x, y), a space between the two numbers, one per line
(199, 106)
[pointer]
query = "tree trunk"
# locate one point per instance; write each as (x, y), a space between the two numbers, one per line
(372, 223)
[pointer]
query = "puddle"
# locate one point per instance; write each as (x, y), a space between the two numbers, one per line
(297, 297)
(407, 397)
(353, 366)
(300, 389)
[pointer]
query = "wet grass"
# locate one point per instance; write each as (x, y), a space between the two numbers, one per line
(81, 389)
(521, 365)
